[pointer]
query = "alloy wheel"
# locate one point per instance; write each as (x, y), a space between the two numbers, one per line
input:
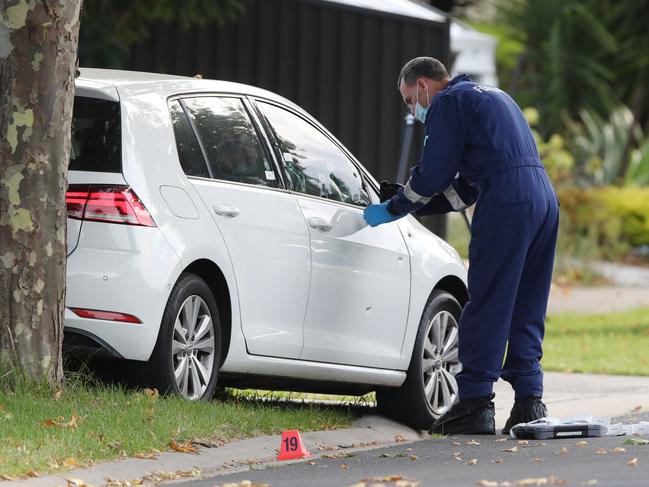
(440, 362)
(192, 347)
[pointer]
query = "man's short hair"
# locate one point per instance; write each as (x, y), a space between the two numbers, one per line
(427, 67)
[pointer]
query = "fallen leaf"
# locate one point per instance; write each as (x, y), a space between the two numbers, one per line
(487, 483)
(250, 461)
(159, 477)
(457, 443)
(471, 442)
(633, 462)
(592, 482)
(72, 482)
(358, 484)
(581, 444)
(123, 483)
(601, 451)
(497, 460)
(9, 477)
(344, 466)
(146, 456)
(473, 461)
(70, 462)
(619, 449)
(636, 409)
(182, 447)
(563, 451)
(388, 478)
(57, 394)
(400, 438)
(343, 454)
(538, 460)
(500, 440)
(326, 448)
(636, 441)
(414, 458)
(523, 442)
(513, 449)
(533, 481)
(61, 423)
(152, 394)
(32, 474)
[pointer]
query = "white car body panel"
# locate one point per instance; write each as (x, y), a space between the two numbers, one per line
(432, 259)
(114, 270)
(268, 243)
(360, 284)
(132, 269)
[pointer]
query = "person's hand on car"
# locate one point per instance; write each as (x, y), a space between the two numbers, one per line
(378, 214)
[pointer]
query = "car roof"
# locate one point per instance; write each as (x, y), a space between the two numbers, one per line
(134, 83)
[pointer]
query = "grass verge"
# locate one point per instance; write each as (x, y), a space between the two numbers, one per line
(613, 343)
(44, 430)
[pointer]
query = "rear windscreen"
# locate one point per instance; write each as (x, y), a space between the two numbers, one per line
(96, 136)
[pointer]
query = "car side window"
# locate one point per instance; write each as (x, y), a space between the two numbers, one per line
(230, 141)
(315, 165)
(189, 152)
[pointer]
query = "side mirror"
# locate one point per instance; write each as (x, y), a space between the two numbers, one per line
(388, 190)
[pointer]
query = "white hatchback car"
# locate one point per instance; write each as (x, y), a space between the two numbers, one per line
(216, 234)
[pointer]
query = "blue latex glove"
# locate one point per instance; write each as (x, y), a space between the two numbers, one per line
(376, 215)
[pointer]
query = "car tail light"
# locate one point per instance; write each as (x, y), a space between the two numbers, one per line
(107, 203)
(105, 315)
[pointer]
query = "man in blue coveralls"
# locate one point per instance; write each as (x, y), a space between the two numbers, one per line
(479, 149)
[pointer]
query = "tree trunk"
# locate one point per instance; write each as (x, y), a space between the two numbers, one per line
(38, 52)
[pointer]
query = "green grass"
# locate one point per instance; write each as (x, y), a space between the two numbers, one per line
(115, 422)
(614, 343)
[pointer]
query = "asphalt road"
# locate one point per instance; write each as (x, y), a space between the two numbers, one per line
(467, 461)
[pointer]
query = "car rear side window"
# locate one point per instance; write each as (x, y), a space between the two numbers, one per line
(232, 146)
(189, 152)
(96, 143)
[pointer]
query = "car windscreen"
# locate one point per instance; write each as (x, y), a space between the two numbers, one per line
(96, 136)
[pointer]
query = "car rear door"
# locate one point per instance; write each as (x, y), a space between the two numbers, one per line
(261, 222)
(360, 279)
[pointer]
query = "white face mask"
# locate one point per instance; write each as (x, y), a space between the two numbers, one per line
(420, 112)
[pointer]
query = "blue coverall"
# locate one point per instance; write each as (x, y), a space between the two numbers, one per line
(479, 148)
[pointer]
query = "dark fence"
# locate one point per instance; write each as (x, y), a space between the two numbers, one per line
(337, 62)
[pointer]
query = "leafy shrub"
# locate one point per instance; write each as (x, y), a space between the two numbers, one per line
(603, 222)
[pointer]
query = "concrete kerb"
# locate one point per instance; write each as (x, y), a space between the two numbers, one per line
(565, 394)
(369, 432)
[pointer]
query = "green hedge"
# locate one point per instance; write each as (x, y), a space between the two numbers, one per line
(608, 220)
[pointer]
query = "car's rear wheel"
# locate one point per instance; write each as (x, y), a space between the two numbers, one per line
(430, 388)
(186, 357)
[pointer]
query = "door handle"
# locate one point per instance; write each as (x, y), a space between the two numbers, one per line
(223, 210)
(320, 224)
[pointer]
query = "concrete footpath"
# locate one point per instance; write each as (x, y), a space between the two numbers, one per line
(565, 394)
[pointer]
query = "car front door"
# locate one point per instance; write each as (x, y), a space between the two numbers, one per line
(360, 279)
(261, 223)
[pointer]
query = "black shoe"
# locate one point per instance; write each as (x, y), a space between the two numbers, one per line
(475, 416)
(525, 410)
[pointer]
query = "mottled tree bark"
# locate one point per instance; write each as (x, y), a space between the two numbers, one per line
(38, 52)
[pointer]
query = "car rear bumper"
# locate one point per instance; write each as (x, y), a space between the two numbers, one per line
(122, 269)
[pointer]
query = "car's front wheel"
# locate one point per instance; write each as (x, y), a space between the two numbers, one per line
(186, 357)
(430, 388)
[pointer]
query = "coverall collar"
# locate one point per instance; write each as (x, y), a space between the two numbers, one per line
(458, 79)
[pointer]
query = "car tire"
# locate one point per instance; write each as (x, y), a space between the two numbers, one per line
(430, 388)
(187, 354)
